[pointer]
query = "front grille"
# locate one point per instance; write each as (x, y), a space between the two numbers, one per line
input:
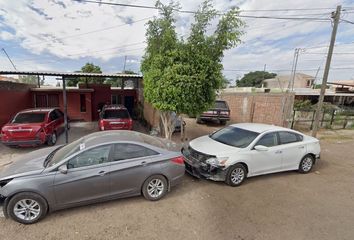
(202, 157)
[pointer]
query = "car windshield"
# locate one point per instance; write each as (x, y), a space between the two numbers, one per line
(220, 104)
(64, 152)
(112, 114)
(29, 118)
(233, 136)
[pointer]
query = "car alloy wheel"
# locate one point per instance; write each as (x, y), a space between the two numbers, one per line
(53, 139)
(237, 175)
(306, 164)
(155, 187)
(27, 209)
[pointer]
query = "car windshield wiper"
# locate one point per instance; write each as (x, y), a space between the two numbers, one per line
(50, 156)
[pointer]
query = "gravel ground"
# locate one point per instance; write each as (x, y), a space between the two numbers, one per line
(318, 205)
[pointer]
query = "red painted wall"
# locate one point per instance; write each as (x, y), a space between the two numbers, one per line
(14, 97)
(73, 100)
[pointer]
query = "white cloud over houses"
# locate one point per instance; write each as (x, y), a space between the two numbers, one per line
(57, 34)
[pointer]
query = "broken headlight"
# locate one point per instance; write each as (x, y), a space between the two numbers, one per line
(217, 161)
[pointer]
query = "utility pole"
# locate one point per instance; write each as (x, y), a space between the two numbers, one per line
(336, 17)
(296, 57)
(8, 57)
(125, 61)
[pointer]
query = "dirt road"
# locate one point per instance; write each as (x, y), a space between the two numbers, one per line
(288, 205)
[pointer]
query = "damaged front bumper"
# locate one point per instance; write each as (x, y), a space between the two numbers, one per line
(202, 169)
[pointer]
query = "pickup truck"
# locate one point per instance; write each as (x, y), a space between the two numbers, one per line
(220, 112)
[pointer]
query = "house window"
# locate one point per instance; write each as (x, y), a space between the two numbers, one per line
(82, 103)
(116, 99)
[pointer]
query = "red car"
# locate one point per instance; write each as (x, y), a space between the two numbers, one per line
(33, 127)
(115, 117)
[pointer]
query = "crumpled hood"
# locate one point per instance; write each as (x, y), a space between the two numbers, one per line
(209, 146)
(30, 163)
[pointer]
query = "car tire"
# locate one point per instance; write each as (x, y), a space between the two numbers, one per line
(27, 208)
(52, 139)
(236, 175)
(155, 187)
(199, 121)
(306, 164)
(222, 122)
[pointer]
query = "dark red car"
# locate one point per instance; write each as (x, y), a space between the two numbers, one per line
(33, 127)
(115, 117)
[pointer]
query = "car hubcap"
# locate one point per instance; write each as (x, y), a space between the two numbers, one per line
(155, 188)
(307, 164)
(27, 209)
(237, 175)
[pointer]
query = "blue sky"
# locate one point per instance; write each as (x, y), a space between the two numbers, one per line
(62, 35)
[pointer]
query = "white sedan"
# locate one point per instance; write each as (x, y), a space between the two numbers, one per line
(249, 149)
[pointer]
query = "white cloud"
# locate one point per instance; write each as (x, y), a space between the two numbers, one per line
(58, 28)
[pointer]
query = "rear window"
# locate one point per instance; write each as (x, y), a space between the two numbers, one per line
(220, 104)
(112, 114)
(29, 118)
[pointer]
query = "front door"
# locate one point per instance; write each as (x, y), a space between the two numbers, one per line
(263, 162)
(87, 177)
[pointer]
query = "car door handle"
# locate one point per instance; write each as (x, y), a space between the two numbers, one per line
(278, 152)
(143, 163)
(102, 173)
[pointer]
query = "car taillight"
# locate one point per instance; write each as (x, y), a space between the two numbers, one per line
(178, 160)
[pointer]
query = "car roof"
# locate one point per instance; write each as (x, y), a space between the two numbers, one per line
(37, 110)
(114, 107)
(97, 138)
(259, 127)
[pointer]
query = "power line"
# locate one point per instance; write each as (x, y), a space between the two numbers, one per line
(93, 31)
(8, 57)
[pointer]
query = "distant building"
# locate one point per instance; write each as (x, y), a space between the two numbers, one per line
(342, 86)
(283, 81)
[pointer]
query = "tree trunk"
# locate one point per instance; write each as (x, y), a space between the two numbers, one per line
(167, 123)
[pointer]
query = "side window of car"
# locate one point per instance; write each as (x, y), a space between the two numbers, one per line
(124, 151)
(268, 140)
(59, 113)
(94, 156)
(52, 116)
(288, 137)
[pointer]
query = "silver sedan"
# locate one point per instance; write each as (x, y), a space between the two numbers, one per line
(98, 167)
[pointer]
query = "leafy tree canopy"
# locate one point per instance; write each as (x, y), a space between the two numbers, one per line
(87, 68)
(254, 79)
(182, 75)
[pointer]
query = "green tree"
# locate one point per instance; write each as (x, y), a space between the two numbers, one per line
(254, 79)
(87, 68)
(28, 79)
(180, 75)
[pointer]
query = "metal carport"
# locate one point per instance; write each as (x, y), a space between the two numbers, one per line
(64, 76)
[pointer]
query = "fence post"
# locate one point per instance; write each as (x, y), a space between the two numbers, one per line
(313, 119)
(332, 117)
(292, 122)
(345, 121)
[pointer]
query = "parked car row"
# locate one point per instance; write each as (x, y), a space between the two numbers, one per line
(116, 164)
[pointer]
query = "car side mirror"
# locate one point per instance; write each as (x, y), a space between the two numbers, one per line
(63, 169)
(261, 148)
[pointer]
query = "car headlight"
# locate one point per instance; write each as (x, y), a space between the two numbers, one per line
(4, 182)
(217, 161)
